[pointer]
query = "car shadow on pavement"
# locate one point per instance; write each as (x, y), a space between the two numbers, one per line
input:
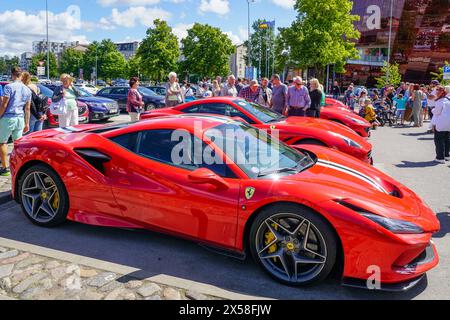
(444, 219)
(157, 254)
(416, 134)
(420, 164)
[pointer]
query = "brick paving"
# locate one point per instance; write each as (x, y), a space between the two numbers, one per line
(5, 184)
(28, 276)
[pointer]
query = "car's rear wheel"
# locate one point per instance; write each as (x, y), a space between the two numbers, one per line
(293, 245)
(44, 198)
(150, 106)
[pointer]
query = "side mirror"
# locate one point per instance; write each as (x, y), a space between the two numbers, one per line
(204, 176)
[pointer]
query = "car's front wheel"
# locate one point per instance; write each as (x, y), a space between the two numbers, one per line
(44, 198)
(293, 245)
(150, 106)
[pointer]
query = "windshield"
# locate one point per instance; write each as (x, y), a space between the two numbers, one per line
(263, 114)
(45, 91)
(255, 152)
(146, 91)
(84, 93)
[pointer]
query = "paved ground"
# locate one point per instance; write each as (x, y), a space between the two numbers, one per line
(404, 153)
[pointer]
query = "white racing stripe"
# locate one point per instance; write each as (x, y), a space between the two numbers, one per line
(352, 172)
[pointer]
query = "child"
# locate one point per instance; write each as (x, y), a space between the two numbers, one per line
(400, 101)
(370, 114)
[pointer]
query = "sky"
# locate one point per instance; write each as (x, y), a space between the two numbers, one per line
(23, 21)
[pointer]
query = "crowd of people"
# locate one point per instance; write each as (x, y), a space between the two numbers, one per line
(410, 102)
(23, 109)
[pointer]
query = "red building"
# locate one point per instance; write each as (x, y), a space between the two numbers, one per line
(420, 39)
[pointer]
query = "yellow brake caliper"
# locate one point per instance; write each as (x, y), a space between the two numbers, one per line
(55, 203)
(269, 238)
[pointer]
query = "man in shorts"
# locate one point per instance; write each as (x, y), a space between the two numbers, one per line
(14, 115)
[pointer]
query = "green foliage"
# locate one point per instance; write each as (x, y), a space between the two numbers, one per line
(102, 52)
(440, 76)
(43, 57)
(114, 65)
(134, 68)
(323, 33)
(71, 62)
(261, 40)
(159, 51)
(206, 51)
(6, 64)
(390, 75)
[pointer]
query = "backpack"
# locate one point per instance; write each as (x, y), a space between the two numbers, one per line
(40, 102)
(362, 112)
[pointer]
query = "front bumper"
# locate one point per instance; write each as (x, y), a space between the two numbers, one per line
(103, 115)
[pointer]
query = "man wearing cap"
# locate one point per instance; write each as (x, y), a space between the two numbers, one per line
(251, 92)
(298, 99)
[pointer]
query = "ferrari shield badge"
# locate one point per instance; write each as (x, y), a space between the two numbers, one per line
(249, 192)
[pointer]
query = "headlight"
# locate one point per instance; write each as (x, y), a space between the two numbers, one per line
(96, 105)
(393, 225)
(348, 141)
(355, 120)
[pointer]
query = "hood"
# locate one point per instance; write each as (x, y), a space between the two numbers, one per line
(316, 123)
(96, 100)
(343, 178)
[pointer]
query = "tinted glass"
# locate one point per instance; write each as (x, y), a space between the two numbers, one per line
(128, 141)
(146, 91)
(211, 108)
(105, 91)
(261, 113)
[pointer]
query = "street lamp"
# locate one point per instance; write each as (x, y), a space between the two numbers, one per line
(389, 45)
(249, 47)
(48, 44)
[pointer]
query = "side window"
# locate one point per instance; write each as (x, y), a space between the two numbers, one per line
(106, 91)
(210, 108)
(128, 141)
(158, 145)
(233, 112)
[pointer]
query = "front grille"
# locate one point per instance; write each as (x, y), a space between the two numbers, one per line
(82, 109)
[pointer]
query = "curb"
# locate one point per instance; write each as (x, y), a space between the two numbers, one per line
(5, 197)
(123, 270)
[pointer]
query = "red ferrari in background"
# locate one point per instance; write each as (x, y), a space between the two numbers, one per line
(336, 111)
(292, 130)
(310, 211)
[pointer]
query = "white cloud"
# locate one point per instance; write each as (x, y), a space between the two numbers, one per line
(220, 7)
(110, 3)
(234, 38)
(286, 4)
(180, 30)
(19, 29)
(137, 15)
(243, 33)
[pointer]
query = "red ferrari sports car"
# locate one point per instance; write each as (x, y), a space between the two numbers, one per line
(300, 212)
(292, 130)
(338, 112)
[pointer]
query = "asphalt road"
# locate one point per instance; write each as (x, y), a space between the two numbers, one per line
(403, 153)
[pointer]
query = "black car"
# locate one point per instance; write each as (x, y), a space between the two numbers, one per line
(120, 94)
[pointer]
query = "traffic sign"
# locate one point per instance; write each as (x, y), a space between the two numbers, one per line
(446, 72)
(40, 71)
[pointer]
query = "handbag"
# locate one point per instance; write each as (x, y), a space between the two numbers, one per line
(58, 108)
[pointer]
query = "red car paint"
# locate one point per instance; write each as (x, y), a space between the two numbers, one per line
(335, 110)
(137, 192)
(83, 115)
(291, 130)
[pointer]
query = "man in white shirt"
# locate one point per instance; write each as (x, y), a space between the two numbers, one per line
(432, 103)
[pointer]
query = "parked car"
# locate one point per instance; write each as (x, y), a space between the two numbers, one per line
(101, 83)
(100, 108)
(87, 87)
(52, 120)
(291, 130)
(159, 90)
(312, 211)
(119, 94)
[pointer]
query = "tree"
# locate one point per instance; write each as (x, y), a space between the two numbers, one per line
(43, 57)
(114, 65)
(7, 63)
(134, 67)
(96, 54)
(390, 75)
(159, 51)
(71, 61)
(440, 75)
(323, 33)
(206, 51)
(262, 42)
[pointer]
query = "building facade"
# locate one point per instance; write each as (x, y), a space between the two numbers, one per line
(25, 60)
(127, 49)
(56, 48)
(420, 39)
(237, 61)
